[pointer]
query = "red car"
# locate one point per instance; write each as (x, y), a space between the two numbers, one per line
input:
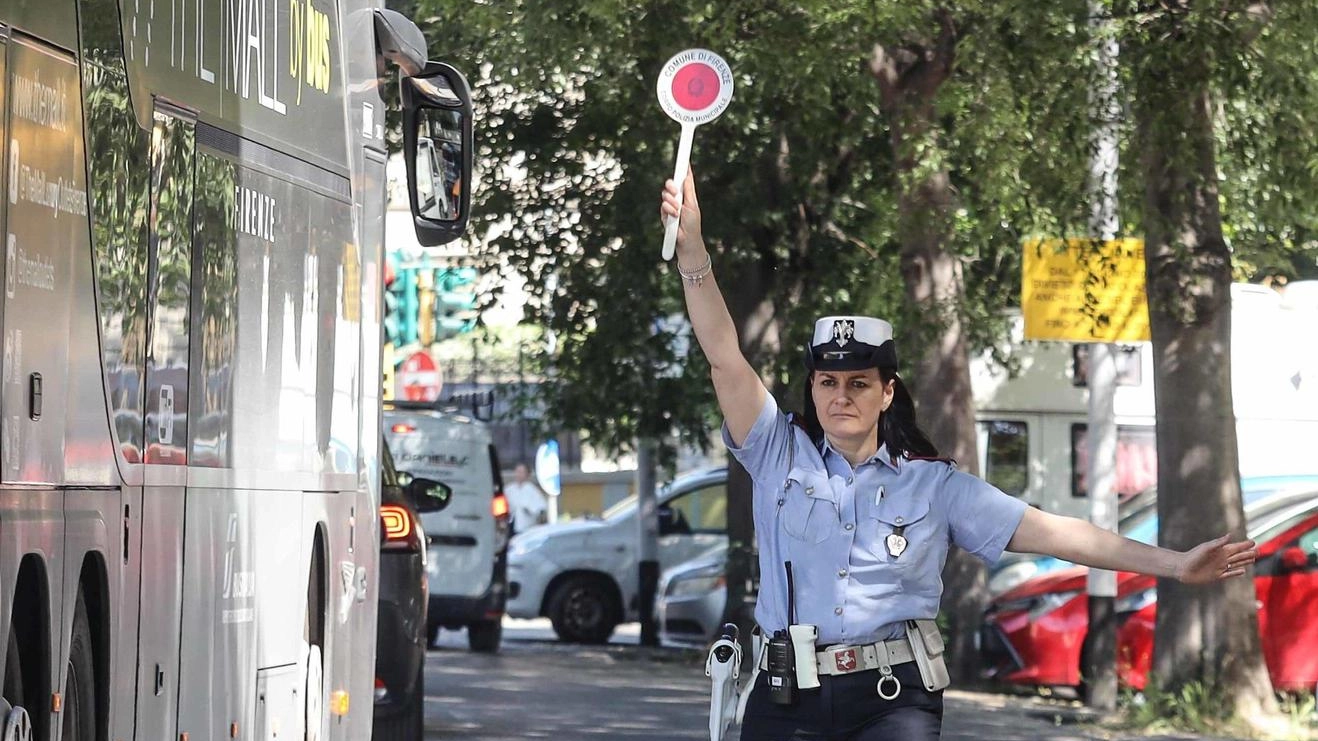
(1033, 634)
(1286, 584)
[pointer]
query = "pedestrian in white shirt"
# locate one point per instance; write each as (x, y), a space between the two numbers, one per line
(526, 499)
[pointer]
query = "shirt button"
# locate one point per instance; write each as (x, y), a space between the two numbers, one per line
(810, 490)
(837, 610)
(899, 520)
(848, 526)
(841, 573)
(850, 479)
(780, 502)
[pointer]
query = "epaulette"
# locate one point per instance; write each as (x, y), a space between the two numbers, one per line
(933, 459)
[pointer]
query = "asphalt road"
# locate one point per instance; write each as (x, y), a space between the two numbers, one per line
(537, 688)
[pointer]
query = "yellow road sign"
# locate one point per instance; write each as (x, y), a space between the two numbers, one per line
(1079, 290)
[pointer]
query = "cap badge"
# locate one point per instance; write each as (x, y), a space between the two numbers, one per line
(843, 331)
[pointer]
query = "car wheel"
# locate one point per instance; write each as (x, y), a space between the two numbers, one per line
(79, 712)
(408, 724)
(14, 721)
(584, 610)
(484, 636)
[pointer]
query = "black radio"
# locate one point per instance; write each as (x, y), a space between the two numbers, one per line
(782, 659)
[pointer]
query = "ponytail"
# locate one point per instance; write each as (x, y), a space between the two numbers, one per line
(898, 429)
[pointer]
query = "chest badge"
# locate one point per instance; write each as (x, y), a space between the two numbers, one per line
(896, 541)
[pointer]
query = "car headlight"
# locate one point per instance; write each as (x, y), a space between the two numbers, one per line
(696, 585)
(522, 545)
(1136, 601)
(1046, 603)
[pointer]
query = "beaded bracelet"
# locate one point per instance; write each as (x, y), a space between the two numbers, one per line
(696, 278)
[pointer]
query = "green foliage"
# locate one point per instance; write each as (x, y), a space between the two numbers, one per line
(796, 177)
(1195, 707)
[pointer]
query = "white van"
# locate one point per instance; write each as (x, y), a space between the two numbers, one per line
(467, 541)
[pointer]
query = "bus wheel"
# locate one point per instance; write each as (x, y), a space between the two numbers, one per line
(313, 636)
(315, 690)
(79, 712)
(14, 723)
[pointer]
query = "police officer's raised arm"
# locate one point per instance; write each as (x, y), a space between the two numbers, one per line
(740, 392)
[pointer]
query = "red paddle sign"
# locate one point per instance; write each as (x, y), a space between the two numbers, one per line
(694, 87)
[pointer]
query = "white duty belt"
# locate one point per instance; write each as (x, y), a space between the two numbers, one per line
(838, 660)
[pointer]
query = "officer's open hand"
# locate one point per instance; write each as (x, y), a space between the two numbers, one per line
(1216, 560)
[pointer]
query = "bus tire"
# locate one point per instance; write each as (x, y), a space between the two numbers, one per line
(79, 711)
(14, 722)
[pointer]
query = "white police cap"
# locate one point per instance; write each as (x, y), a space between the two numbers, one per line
(845, 343)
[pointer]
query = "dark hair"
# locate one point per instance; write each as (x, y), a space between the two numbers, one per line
(897, 426)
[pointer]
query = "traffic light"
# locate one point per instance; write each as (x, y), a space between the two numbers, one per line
(454, 302)
(408, 306)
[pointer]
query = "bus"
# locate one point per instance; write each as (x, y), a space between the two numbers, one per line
(190, 412)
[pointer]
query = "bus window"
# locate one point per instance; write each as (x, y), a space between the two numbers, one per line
(1006, 450)
(172, 143)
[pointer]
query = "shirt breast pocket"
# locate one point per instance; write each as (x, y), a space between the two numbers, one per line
(901, 529)
(807, 510)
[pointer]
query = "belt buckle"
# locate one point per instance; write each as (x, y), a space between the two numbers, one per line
(845, 660)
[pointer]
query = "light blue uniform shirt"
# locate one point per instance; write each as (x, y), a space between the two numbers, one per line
(831, 521)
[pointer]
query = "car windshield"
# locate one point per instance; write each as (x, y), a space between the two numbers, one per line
(623, 506)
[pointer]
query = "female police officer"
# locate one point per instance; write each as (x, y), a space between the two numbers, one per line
(855, 501)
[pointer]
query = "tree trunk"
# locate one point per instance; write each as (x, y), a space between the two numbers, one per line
(910, 76)
(1203, 634)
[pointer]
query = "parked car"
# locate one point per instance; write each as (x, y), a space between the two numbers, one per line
(467, 541)
(400, 642)
(583, 574)
(1286, 585)
(691, 598)
(1033, 634)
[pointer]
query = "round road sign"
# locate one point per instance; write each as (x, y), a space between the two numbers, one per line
(695, 86)
(418, 378)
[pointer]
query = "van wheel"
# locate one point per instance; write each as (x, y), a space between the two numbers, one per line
(584, 610)
(14, 721)
(79, 711)
(484, 636)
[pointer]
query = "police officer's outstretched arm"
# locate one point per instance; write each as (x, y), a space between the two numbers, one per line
(1077, 540)
(740, 392)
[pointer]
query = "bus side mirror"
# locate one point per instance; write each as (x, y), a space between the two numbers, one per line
(437, 149)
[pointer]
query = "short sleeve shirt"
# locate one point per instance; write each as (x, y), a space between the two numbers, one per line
(832, 523)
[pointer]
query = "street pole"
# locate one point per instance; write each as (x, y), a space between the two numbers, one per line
(1100, 654)
(647, 511)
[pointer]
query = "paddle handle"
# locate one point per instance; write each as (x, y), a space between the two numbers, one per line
(679, 177)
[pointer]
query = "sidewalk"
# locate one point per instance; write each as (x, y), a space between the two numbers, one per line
(981, 716)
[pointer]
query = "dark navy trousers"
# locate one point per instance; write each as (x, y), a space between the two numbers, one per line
(847, 708)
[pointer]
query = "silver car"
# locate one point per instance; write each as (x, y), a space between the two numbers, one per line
(691, 599)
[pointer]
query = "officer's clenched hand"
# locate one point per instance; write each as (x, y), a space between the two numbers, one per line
(689, 242)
